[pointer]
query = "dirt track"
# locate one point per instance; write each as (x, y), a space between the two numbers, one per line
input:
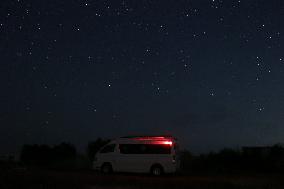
(39, 179)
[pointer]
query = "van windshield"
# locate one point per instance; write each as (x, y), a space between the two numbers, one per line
(108, 148)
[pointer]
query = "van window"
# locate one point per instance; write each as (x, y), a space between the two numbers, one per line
(144, 149)
(107, 149)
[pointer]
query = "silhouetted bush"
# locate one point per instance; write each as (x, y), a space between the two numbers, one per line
(249, 159)
(186, 160)
(46, 156)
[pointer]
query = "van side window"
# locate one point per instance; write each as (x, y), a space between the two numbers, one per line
(131, 149)
(144, 149)
(107, 149)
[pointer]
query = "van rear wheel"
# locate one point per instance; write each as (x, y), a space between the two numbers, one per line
(106, 168)
(157, 170)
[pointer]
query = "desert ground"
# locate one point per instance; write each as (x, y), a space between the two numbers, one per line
(47, 179)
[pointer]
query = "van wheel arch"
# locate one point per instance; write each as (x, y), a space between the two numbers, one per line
(157, 169)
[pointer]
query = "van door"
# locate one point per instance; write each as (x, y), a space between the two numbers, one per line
(107, 154)
(127, 160)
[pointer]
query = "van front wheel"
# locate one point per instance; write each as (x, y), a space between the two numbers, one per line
(106, 168)
(157, 170)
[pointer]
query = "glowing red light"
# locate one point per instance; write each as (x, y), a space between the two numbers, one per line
(155, 140)
(168, 142)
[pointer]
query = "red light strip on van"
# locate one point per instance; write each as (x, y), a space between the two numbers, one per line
(152, 138)
(155, 140)
(167, 142)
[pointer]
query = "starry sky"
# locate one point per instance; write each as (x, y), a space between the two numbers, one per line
(209, 72)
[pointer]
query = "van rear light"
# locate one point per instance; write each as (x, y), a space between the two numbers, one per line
(168, 142)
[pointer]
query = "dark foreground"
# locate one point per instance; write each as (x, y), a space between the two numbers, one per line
(42, 179)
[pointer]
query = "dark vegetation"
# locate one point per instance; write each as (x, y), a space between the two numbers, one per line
(45, 156)
(61, 166)
(229, 161)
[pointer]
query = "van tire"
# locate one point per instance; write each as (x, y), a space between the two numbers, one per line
(106, 168)
(157, 170)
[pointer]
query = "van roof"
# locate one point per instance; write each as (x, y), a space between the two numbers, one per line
(150, 136)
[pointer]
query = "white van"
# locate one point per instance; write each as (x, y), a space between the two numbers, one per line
(139, 154)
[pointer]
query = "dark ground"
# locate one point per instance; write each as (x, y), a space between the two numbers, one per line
(46, 179)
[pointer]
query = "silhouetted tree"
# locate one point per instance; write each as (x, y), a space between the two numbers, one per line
(277, 152)
(228, 160)
(276, 159)
(185, 160)
(44, 155)
(64, 151)
(36, 154)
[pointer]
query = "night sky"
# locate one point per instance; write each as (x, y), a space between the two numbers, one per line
(210, 72)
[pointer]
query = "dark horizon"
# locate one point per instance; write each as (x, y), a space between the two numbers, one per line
(209, 72)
